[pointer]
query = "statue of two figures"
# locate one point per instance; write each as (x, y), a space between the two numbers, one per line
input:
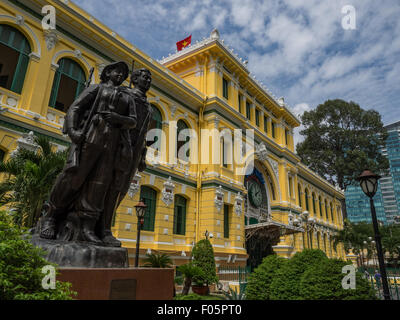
(107, 125)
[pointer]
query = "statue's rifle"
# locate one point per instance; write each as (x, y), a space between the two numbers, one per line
(130, 79)
(87, 84)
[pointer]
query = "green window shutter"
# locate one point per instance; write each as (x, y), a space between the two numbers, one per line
(180, 215)
(299, 189)
(306, 196)
(20, 73)
(248, 112)
(226, 221)
(273, 129)
(176, 213)
(181, 125)
(225, 88)
(149, 197)
(54, 89)
(265, 124)
(257, 117)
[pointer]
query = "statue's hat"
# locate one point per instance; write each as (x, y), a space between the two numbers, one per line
(120, 64)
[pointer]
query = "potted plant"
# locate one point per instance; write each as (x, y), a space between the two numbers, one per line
(200, 286)
(203, 257)
(190, 272)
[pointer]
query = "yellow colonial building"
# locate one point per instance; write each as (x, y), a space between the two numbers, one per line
(194, 185)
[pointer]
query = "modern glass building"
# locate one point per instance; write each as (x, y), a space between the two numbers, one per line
(387, 198)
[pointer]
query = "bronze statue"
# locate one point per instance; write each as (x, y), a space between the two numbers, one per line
(141, 78)
(107, 125)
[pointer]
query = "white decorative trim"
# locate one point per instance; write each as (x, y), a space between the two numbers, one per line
(19, 20)
(219, 198)
(238, 204)
(168, 192)
(135, 185)
(76, 53)
(51, 39)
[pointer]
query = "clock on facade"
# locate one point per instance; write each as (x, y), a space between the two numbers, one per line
(255, 194)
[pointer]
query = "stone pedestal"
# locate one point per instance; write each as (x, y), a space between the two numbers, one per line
(82, 254)
(120, 284)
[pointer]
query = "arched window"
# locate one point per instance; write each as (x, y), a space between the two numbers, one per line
(299, 190)
(181, 125)
(306, 196)
(149, 197)
(155, 123)
(325, 245)
(180, 215)
(14, 58)
(71, 78)
(326, 210)
(320, 207)
(313, 203)
(332, 217)
(318, 239)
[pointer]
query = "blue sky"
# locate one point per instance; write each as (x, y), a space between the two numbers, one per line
(297, 48)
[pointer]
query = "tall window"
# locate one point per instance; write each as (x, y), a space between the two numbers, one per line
(156, 123)
(299, 191)
(149, 197)
(225, 88)
(332, 217)
(226, 221)
(266, 124)
(224, 155)
(71, 78)
(313, 203)
(306, 196)
(290, 186)
(14, 58)
(248, 112)
(257, 117)
(318, 239)
(183, 153)
(286, 137)
(240, 103)
(320, 207)
(273, 129)
(326, 210)
(180, 215)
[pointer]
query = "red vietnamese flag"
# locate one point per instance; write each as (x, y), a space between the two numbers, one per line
(184, 43)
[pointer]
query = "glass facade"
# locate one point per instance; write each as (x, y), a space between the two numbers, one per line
(387, 198)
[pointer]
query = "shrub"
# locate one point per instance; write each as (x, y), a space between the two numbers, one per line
(286, 282)
(190, 272)
(324, 282)
(258, 285)
(157, 260)
(21, 266)
(203, 257)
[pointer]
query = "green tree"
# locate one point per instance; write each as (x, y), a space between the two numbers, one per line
(203, 257)
(285, 284)
(341, 140)
(157, 260)
(29, 176)
(323, 281)
(258, 285)
(21, 266)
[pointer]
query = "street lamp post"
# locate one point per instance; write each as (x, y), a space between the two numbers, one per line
(369, 185)
(140, 212)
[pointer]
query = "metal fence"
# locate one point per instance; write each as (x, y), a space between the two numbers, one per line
(229, 273)
(393, 277)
